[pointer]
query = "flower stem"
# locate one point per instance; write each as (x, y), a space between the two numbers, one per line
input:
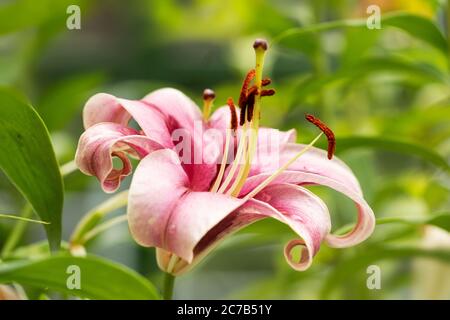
(93, 217)
(169, 281)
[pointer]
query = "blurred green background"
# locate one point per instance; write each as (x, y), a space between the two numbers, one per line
(384, 92)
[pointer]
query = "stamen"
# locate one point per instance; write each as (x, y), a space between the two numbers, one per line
(267, 93)
(208, 98)
(266, 82)
(240, 153)
(243, 95)
(223, 164)
(243, 113)
(251, 103)
(233, 118)
(328, 132)
(269, 179)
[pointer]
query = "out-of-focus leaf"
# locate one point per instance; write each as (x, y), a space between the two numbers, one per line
(28, 159)
(417, 26)
(36, 250)
(389, 144)
(67, 99)
(99, 278)
(20, 14)
(441, 220)
(347, 268)
(364, 68)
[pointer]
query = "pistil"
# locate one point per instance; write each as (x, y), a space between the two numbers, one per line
(260, 47)
(208, 98)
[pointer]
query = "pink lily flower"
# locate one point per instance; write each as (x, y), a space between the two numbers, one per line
(185, 205)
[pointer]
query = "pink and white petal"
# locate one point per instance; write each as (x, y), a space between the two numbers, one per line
(221, 118)
(164, 213)
(104, 107)
(313, 161)
(158, 184)
(295, 206)
(365, 217)
(305, 213)
(180, 109)
(100, 143)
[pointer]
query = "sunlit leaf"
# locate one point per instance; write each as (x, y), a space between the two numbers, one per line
(28, 159)
(99, 278)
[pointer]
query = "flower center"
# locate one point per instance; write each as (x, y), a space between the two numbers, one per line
(250, 111)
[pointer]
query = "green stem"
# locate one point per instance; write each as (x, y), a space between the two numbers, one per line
(93, 217)
(169, 281)
(16, 234)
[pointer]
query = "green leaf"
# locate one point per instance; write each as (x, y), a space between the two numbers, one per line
(417, 26)
(441, 220)
(364, 68)
(346, 269)
(28, 160)
(386, 143)
(14, 217)
(99, 278)
(20, 14)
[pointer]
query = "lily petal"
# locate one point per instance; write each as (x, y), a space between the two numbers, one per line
(163, 212)
(301, 210)
(175, 105)
(100, 143)
(104, 107)
(313, 161)
(365, 218)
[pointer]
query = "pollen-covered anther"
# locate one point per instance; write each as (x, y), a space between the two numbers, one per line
(233, 117)
(266, 82)
(267, 93)
(251, 104)
(327, 131)
(243, 95)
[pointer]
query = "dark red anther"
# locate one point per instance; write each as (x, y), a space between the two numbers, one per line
(242, 116)
(327, 131)
(267, 93)
(243, 95)
(251, 103)
(266, 82)
(234, 121)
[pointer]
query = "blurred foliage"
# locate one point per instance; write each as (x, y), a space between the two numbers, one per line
(385, 92)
